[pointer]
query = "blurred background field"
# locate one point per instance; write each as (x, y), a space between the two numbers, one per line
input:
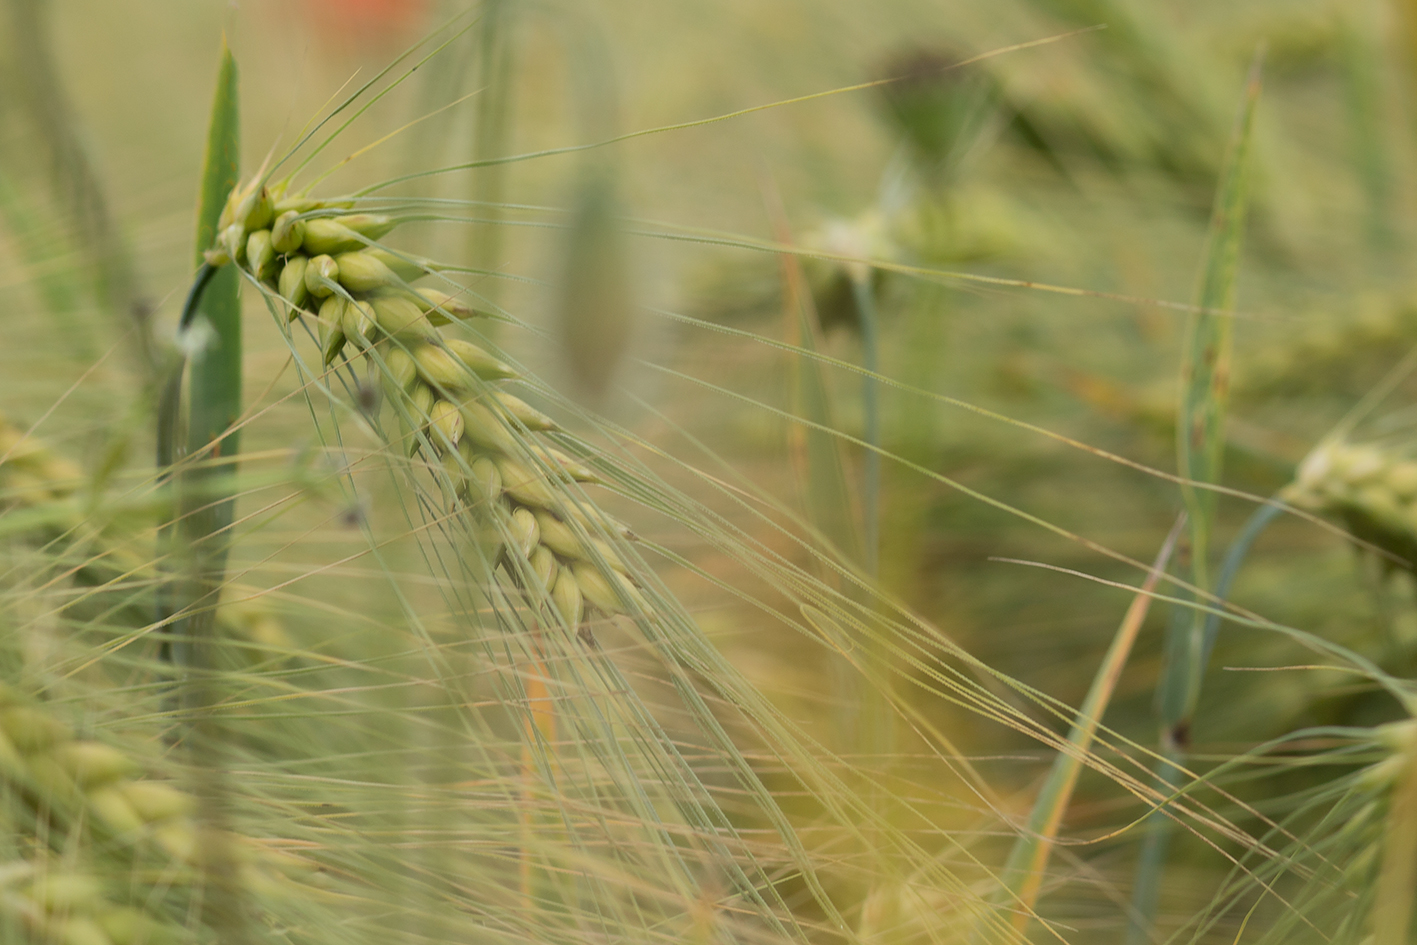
(1041, 214)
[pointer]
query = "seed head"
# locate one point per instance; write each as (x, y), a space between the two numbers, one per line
(260, 256)
(399, 315)
(524, 530)
(320, 276)
(288, 233)
(528, 416)
(484, 429)
(358, 323)
(479, 361)
(402, 372)
(331, 322)
(447, 424)
(362, 272)
(544, 566)
(291, 285)
(568, 598)
(524, 485)
(442, 308)
(325, 237)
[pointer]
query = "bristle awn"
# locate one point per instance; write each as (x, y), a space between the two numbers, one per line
(1205, 384)
(1024, 871)
(358, 93)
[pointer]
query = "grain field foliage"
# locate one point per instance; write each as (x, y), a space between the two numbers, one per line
(702, 475)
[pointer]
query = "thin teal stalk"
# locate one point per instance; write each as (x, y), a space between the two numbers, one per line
(169, 416)
(1234, 558)
(1152, 860)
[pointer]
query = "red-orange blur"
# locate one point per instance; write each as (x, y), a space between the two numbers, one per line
(366, 20)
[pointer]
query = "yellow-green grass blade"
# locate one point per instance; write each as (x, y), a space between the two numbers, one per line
(212, 316)
(1205, 383)
(1023, 871)
(1205, 370)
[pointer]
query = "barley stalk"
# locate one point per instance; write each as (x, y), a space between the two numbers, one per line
(505, 481)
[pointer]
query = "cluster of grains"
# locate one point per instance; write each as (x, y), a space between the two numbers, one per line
(68, 784)
(1325, 359)
(60, 905)
(1373, 490)
(33, 477)
(323, 262)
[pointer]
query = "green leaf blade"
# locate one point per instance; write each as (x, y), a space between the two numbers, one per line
(216, 368)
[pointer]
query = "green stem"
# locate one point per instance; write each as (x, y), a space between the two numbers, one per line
(169, 412)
